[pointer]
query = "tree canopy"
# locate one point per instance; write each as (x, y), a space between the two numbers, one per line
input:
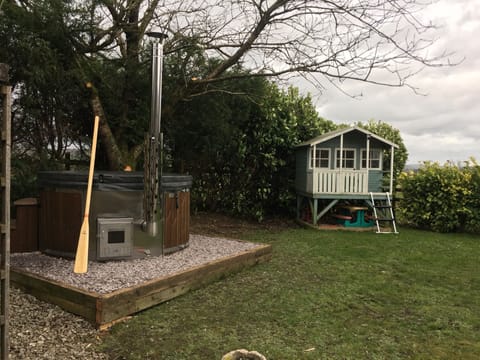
(224, 118)
(103, 43)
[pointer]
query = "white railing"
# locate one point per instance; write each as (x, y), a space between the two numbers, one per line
(339, 181)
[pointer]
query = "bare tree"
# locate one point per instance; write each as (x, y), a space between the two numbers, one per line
(378, 41)
(383, 42)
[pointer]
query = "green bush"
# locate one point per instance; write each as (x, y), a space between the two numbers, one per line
(472, 223)
(441, 198)
(24, 179)
(245, 164)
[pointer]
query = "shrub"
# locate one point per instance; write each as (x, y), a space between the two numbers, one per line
(441, 198)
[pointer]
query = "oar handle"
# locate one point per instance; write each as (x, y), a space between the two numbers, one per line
(92, 165)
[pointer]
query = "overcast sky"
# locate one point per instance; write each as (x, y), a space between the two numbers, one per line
(443, 125)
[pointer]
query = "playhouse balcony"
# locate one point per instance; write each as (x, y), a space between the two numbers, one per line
(322, 181)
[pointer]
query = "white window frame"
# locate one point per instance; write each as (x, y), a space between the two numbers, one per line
(314, 159)
(337, 158)
(363, 154)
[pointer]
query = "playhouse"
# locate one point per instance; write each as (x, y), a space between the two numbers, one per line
(342, 175)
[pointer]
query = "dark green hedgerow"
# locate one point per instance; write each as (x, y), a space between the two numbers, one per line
(442, 198)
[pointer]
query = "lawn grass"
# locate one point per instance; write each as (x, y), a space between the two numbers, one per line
(325, 295)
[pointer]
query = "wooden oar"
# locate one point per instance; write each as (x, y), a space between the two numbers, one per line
(81, 258)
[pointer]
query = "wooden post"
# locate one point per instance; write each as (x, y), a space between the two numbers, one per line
(3, 73)
(299, 203)
(392, 163)
(5, 148)
(314, 212)
(367, 165)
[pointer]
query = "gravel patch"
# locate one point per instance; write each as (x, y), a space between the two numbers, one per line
(40, 330)
(105, 277)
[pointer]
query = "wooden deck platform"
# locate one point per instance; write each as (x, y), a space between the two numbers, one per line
(103, 310)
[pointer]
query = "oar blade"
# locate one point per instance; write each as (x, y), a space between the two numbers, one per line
(81, 258)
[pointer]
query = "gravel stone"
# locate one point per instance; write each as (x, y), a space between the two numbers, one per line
(105, 277)
(40, 330)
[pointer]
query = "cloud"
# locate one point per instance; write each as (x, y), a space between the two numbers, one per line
(442, 125)
(440, 148)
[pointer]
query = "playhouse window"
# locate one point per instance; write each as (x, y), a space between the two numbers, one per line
(348, 158)
(375, 159)
(319, 158)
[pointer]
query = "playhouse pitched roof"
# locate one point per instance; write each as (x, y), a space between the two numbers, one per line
(332, 134)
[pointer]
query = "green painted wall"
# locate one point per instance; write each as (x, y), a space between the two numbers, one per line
(353, 140)
(375, 180)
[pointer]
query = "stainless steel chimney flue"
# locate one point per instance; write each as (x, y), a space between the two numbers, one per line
(154, 144)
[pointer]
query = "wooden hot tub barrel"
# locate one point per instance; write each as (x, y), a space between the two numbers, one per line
(114, 195)
(176, 209)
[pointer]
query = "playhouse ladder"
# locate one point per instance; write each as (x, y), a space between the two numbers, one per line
(383, 213)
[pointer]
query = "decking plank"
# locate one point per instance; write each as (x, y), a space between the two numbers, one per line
(105, 309)
(74, 300)
(131, 300)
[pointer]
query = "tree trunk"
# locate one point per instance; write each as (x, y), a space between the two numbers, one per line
(114, 155)
(3, 73)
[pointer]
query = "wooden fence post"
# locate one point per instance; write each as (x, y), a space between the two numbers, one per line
(5, 149)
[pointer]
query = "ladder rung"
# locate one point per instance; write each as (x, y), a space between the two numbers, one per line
(383, 204)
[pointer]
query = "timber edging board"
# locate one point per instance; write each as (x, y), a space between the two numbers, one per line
(105, 309)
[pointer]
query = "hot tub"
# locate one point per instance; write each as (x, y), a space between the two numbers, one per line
(116, 214)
